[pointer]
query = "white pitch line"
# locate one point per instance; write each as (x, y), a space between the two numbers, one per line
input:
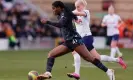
(127, 62)
(89, 65)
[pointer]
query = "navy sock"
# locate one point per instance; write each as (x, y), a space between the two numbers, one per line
(50, 63)
(97, 63)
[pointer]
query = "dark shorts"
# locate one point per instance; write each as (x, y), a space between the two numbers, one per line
(88, 41)
(115, 37)
(112, 38)
(72, 44)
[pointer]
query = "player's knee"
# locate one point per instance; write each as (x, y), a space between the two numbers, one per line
(49, 55)
(99, 58)
(95, 54)
(113, 45)
(92, 60)
(96, 57)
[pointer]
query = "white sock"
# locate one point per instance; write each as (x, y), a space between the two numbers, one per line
(108, 58)
(113, 52)
(110, 74)
(77, 62)
(118, 51)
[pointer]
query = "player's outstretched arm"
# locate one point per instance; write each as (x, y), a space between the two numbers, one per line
(103, 24)
(56, 24)
(77, 13)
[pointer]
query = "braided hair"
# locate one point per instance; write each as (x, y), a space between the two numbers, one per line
(62, 6)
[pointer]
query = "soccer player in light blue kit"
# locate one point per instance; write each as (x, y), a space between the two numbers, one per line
(82, 27)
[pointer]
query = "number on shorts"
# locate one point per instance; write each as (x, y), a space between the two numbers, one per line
(74, 41)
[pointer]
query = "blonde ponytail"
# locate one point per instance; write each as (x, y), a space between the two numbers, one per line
(84, 2)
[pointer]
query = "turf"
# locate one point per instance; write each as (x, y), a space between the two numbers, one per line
(15, 65)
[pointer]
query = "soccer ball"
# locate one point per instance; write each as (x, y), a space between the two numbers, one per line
(32, 75)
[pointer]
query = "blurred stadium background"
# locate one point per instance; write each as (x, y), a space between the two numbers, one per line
(21, 18)
(20, 22)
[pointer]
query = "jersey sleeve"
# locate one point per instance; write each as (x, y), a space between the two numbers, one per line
(104, 19)
(62, 22)
(56, 24)
(87, 13)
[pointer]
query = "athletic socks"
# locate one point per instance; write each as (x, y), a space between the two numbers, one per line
(77, 62)
(50, 63)
(113, 52)
(108, 58)
(118, 52)
(97, 63)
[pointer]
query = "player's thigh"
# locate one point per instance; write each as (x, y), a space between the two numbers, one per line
(84, 53)
(88, 41)
(59, 51)
(95, 53)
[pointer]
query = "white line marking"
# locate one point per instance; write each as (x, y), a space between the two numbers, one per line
(89, 65)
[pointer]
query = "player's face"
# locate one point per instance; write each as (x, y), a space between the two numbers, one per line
(56, 10)
(79, 6)
(111, 11)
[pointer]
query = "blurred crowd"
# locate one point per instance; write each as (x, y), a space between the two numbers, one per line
(18, 19)
(126, 28)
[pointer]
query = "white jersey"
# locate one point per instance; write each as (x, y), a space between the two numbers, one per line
(83, 28)
(112, 24)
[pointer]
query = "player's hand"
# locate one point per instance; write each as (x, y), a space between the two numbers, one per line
(44, 20)
(74, 12)
(103, 24)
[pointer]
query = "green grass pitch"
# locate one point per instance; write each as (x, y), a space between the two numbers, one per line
(15, 65)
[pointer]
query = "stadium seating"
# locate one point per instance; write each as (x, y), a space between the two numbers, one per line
(95, 6)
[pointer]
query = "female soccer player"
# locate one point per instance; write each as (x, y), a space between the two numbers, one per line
(73, 41)
(111, 21)
(82, 27)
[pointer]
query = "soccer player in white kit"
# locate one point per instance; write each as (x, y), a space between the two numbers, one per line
(111, 20)
(82, 27)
